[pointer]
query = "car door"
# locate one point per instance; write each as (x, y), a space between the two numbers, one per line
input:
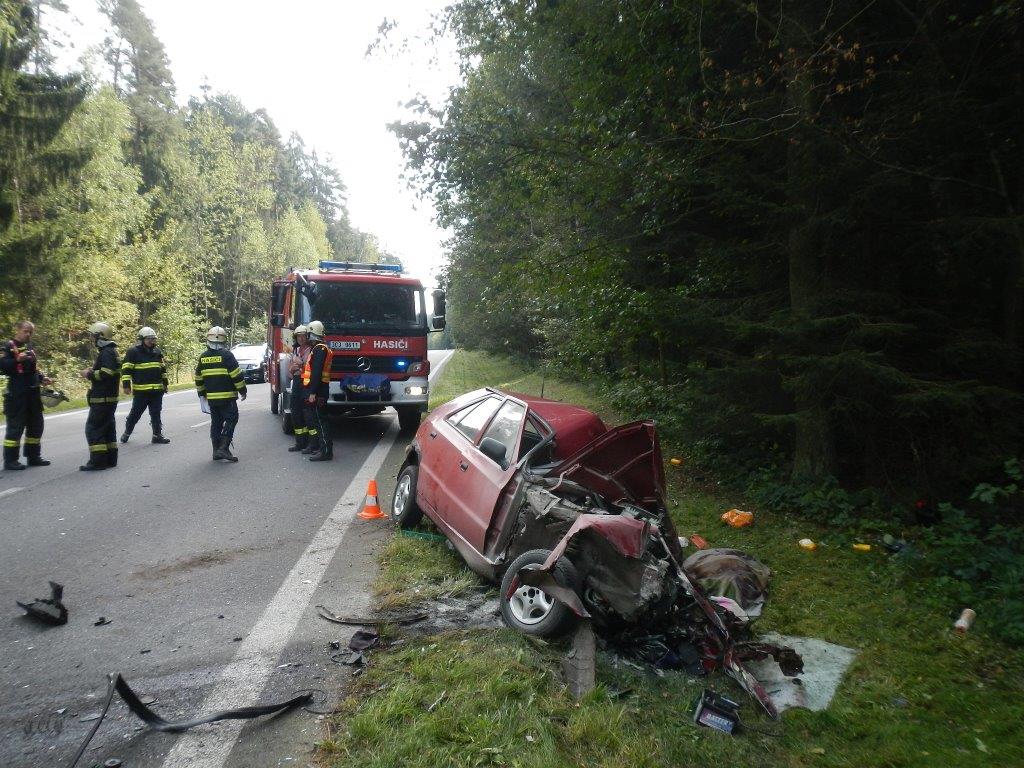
(471, 510)
(442, 446)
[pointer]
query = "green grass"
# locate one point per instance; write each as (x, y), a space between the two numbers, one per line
(917, 695)
(413, 571)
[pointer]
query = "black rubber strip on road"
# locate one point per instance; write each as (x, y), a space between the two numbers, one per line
(116, 683)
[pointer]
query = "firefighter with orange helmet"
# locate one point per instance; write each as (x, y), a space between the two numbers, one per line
(316, 380)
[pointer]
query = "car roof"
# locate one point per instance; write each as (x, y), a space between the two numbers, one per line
(574, 426)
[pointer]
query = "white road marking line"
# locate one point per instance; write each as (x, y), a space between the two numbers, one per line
(10, 491)
(124, 404)
(244, 678)
(440, 366)
(200, 424)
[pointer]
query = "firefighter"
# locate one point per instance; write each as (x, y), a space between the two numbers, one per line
(100, 426)
(316, 379)
(144, 377)
(219, 380)
(296, 401)
(23, 406)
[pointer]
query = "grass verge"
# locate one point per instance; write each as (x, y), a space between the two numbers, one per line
(917, 695)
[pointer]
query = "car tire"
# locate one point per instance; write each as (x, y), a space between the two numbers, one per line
(408, 420)
(275, 402)
(529, 610)
(405, 512)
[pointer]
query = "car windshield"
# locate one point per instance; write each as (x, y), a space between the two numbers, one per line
(360, 307)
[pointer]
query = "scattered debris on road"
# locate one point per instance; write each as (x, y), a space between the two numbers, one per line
(49, 610)
(102, 621)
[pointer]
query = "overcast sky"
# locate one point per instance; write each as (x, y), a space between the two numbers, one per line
(305, 62)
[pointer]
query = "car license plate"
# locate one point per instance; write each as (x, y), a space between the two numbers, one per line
(345, 345)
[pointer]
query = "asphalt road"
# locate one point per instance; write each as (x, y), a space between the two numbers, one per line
(208, 572)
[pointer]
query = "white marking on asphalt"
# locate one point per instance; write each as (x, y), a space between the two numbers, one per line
(200, 424)
(10, 491)
(441, 365)
(123, 404)
(243, 680)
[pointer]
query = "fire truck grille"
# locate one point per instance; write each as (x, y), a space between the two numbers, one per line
(383, 364)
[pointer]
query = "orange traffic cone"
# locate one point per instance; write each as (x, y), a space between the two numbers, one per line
(371, 510)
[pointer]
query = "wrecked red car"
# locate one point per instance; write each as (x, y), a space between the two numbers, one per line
(571, 517)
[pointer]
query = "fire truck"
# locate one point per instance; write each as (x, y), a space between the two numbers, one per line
(376, 324)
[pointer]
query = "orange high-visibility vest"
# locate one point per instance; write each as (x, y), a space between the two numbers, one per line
(307, 369)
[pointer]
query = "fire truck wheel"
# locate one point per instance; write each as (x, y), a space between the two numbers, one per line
(408, 419)
(275, 402)
(286, 423)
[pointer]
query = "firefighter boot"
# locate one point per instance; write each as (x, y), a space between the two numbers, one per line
(159, 438)
(301, 441)
(11, 457)
(218, 452)
(310, 447)
(33, 455)
(322, 456)
(225, 449)
(96, 462)
(111, 457)
(126, 435)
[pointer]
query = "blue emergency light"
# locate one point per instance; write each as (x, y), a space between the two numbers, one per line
(401, 363)
(327, 266)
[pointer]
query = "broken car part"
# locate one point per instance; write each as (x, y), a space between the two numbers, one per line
(408, 618)
(117, 684)
(48, 610)
(716, 711)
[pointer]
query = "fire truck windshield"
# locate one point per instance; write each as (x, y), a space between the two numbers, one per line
(359, 307)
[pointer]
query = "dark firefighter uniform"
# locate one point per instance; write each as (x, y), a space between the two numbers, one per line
(316, 380)
(100, 427)
(297, 401)
(219, 380)
(144, 372)
(22, 405)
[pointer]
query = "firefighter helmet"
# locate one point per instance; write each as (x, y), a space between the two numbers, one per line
(300, 329)
(101, 331)
(147, 333)
(217, 334)
(52, 397)
(315, 329)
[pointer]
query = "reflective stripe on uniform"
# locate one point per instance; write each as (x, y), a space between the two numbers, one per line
(219, 395)
(239, 385)
(11, 443)
(213, 372)
(99, 400)
(142, 366)
(146, 387)
(98, 448)
(32, 440)
(236, 372)
(300, 430)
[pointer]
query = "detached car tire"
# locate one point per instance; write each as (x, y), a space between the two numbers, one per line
(529, 610)
(404, 510)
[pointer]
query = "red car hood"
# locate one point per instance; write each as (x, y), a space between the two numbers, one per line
(623, 464)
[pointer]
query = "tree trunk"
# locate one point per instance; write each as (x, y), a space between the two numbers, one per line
(814, 448)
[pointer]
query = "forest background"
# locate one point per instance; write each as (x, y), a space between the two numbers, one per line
(116, 204)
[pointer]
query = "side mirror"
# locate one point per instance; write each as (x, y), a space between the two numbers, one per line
(437, 322)
(494, 451)
(277, 320)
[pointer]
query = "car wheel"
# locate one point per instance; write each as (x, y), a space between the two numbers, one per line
(275, 402)
(530, 610)
(404, 510)
(408, 420)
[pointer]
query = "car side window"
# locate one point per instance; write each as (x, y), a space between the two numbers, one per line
(533, 434)
(472, 418)
(505, 426)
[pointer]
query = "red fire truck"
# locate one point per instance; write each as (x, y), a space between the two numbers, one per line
(375, 322)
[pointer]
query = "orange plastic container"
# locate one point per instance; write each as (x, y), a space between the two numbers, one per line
(737, 518)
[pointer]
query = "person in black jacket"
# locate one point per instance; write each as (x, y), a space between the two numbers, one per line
(316, 382)
(219, 380)
(297, 398)
(22, 404)
(144, 376)
(100, 426)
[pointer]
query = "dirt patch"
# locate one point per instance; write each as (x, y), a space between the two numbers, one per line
(472, 610)
(202, 560)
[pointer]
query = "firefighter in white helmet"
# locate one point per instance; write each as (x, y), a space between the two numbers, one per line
(100, 426)
(144, 377)
(219, 380)
(316, 380)
(296, 398)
